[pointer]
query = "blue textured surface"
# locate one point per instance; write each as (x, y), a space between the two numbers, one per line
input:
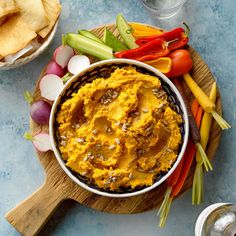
(213, 25)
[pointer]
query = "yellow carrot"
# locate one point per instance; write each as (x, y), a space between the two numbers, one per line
(197, 193)
(206, 104)
(207, 120)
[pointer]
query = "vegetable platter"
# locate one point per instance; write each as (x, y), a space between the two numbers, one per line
(30, 215)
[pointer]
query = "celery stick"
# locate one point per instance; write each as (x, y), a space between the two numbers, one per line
(89, 46)
(125, 31)
(90, 35)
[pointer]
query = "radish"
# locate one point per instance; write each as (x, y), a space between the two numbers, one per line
(55, 69)
(40, 141)
(50, 86)
(78, 63)
(40, 112)
(62, 55)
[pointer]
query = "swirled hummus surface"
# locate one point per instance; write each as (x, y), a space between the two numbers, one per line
(119, 132)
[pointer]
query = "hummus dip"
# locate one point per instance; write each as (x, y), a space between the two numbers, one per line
(119, 132)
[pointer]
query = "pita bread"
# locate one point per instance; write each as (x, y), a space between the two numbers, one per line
(53, 9)
(33, 14)
(7, 7)
(14, 35)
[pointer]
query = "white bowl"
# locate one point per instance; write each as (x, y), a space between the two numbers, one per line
(78, 80)
(24, 60)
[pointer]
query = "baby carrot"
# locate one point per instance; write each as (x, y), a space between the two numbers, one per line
(197, 192)
(207, 120)
(194, 129)
(204, 101)
(172, 180)
(202, 98)
(188, 159)
(174, 186)
(199, 116)
(194, 107)
(190, 150)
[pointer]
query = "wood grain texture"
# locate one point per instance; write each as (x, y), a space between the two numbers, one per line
(58, 186)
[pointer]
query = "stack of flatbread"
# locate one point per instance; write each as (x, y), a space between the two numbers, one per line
(25, 22)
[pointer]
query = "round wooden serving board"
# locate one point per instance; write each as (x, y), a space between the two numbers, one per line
(30, 215)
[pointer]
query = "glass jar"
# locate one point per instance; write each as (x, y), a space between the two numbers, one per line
(218, 219)
(163, 9)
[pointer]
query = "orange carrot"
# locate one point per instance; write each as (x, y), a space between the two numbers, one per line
(199, 116)
(188, 159)
(193, 128)
(177, 179)
(194, 107)
(189, 153)
(197, 189)
(172, 180)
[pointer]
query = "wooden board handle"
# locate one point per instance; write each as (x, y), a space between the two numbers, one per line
(30, 215)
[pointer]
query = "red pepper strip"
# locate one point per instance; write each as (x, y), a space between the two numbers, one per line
(147, 52)
(177, 33)
(168, 36)
(180, 43)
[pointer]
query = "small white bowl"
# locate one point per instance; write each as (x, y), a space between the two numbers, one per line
(24, 60)
(88, 75)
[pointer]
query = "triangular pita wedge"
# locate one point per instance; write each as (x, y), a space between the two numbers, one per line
(53, 9)
(14, 35)
(33, 14)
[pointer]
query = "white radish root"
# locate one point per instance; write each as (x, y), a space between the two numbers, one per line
(50, 86)
(62, 55)
(78, 63)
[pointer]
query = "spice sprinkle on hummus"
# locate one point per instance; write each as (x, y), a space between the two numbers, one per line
(119, 132)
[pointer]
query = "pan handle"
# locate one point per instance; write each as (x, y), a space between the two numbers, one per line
(30, 215)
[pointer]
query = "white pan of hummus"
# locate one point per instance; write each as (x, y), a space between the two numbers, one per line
(119, 128)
